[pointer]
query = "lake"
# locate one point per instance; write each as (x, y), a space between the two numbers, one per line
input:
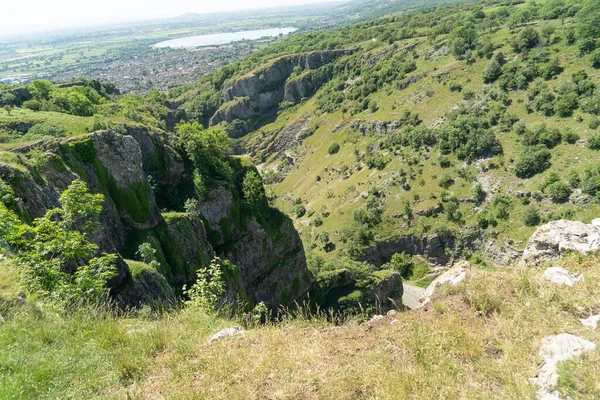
(223, 38)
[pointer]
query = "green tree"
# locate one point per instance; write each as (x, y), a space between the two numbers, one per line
(52, 251)
(252, 186)
(402, 263)
(333, 148)
(210, 285)
(207, 148)
(41, 89)
(462, 40)
(559, 192)
(531, 216)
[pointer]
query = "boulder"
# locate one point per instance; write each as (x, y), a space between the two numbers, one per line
(555, 349)
(552, 240)
(561, 276)
(453, 276)
(225, 333)
(591, 322)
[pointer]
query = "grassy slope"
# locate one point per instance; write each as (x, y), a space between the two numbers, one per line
(478, 340)
(312, 158)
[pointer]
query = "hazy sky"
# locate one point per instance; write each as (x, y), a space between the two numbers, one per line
(18, 16)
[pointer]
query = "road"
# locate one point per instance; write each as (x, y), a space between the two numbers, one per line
(411, 296)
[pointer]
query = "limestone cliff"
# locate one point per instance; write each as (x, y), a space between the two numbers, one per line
(258, 93)
(141, 172)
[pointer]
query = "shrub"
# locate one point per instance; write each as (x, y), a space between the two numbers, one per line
(569, 136)
(402, 263)
(33, 105)
(299, 210)
(478, 193)
(209, 286)
(596, 59)
(333, 148)
(593, 122)
(531, 216)
(559, 192)
(573, 179)
(485, 220)
(492, 71)
(46, 130)
(501, 205)
(594, 142)
(98, 123)
(455, 87)
(51, 246)
(532, 161)
(445, 181)
(468, 94)
(252, 187)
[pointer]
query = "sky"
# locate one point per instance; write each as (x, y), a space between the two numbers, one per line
(18, 17)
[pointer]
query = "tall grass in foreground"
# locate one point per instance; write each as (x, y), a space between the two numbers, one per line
(478, 340)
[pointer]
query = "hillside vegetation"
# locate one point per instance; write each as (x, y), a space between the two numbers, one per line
(476, 340)
(472, 121)
(304, 194)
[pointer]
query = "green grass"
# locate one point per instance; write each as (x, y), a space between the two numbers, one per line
(478, 339)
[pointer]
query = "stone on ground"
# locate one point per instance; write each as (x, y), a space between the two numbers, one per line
(591, 322)
(561, 276)
(552, 240)
(227, 332)
(555, 349)
(453, 276)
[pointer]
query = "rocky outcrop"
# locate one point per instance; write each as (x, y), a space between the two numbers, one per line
(439, 249)
(263, 244)
(554, 350)
(306, 84)
(453, 277)
(552, 240)
(268, 254)
(258, 93)
(379, 292)
(561, 276)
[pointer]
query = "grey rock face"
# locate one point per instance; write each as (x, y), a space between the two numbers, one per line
(552, 240)
(258, 94)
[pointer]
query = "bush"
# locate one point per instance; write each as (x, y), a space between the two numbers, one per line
(33, 105)
(402, 263)
(445, 181)
(333, 148)
(455, 87)
(559, 192)
(593, 122)
(492, 71)
(596, 59)
(531, 216)
(478, 193)
(468, 94)
(594, 142)
(569, 136)
(46, 130)
(532, 161)
(485, 220)
(299, 210)
(501, 205)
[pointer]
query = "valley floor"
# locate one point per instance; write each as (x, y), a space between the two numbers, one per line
(479, 339)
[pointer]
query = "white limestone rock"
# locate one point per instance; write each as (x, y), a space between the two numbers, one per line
(453, 276)
(591, 322)
(555, 349)
(225, 333)
(552, 240)
(561, 276)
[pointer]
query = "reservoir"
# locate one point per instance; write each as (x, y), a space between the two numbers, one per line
(223, 38)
